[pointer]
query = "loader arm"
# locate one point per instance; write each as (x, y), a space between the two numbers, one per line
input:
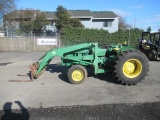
(38, 67)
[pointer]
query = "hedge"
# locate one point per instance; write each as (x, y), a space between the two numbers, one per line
(72, 36)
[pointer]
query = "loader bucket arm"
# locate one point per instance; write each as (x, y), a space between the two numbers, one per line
(38, 67)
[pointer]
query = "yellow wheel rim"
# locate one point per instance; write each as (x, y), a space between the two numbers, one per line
(77, 75)
(132, 68)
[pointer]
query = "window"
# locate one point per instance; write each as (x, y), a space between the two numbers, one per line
(108, 23)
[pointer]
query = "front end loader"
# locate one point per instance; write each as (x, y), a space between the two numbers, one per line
(125, 63)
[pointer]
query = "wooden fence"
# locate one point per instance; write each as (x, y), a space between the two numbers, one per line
(25, 44)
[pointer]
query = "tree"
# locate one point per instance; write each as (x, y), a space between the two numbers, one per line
(149, 29)
(39, 22)
(64, 20)
(6, 6)
(26, 27)
(32, 22)
(26, 21)
(75, 22)
(123, 25)
(24, 18)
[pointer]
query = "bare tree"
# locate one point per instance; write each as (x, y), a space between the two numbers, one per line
(7, 6)
(123, 25)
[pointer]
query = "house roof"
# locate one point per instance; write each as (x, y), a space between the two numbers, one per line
(79, 13)
(104, 14)
(20, 13)
(94, 14)
(73, 13)
(50, 15)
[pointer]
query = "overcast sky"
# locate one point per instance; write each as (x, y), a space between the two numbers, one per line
(141, 13)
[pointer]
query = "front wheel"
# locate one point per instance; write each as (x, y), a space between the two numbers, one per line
(131, 67)
(77, 74)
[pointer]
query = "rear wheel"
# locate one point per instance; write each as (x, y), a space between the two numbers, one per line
(131, 67)
(77, 74)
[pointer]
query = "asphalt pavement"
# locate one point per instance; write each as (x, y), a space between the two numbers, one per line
(97, 98)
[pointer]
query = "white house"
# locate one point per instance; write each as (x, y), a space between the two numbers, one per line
(106, 20)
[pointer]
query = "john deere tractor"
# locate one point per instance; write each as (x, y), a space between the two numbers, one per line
(125, 63)
(149, 44)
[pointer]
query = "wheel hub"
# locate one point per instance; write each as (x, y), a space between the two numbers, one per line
(129, 67)
(77, 75)
(132, 68)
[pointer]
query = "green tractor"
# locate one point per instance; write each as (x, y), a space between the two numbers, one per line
(149, 44)
(125, 63)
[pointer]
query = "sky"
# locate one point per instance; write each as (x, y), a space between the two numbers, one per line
(137, 13)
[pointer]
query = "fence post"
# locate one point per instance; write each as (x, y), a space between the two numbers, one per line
(34, 43)
(24, 43)
(129, 37)
(58, 39)
(11, 43)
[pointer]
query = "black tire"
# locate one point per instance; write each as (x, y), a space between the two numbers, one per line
(130, 67)
(151, 55)
(77, 74)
